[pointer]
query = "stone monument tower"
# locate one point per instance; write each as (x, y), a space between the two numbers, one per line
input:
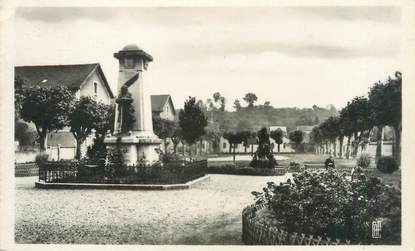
(133, 129)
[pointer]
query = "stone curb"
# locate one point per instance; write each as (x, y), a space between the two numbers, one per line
(190, 184)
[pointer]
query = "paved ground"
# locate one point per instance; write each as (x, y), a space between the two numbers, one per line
(207, 214)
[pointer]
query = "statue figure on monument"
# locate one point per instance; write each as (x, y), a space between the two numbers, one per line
(125, 110)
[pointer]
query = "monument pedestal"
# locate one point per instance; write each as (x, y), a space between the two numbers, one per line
(137, 147)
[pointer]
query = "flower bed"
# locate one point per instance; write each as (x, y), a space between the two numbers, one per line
(255, 232)
(74, 172)
(324, 203)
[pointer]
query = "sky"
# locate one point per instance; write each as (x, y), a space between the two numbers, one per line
(290, 56)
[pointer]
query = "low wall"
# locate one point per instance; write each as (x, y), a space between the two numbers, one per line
(25, 156)
(26, 169)
(247, 170)
(256, 233)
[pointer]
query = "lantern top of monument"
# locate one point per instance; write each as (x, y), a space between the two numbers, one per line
(132, 47)
(133, 50)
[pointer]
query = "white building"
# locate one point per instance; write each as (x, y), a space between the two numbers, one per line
(82, 80)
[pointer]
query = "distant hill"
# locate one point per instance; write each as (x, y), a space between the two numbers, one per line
(264, 116)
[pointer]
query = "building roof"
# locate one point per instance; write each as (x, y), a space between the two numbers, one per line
(305, 128)
(159, 101)
(283, 128)
(65, 139)
(71, 76)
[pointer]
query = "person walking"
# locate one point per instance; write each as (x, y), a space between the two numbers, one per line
(329, 162)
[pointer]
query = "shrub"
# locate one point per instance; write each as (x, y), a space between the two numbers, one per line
(97, 151)
(171, 157)
(363, 160)
(41, 158)
(294, 166)
(263, 157)
(387, 164)
(326, 204)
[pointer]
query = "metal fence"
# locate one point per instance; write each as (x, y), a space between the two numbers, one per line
(172, 173)
(257, 233)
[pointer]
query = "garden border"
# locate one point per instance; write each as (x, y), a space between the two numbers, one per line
(278, 171)
(187, 185)
(256, 233)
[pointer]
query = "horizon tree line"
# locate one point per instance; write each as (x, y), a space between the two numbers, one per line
(360, 117)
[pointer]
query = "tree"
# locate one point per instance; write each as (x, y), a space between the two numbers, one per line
(164, 129)
(210, 106)
(267, 104)
(245, 136)
(83, 118)
(213, 135)
(24, 134)
(316, 138)
(18, 97)
(297, 137)
(192, 121)
(105, 124)
(228, 136)
(341, 133)
(329, 129)
(176, 137)
(47, 108)
(219, 100)
(355, 119)
(250, 98)
(237, 105)
(347, 123)
(385, 105)
(277, 136)
(234, 138)
(222, 104)
(202, 106)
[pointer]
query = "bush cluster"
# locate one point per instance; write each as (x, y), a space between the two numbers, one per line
(41, 158)
(170, 157)
(263, 157)
(387, 164)
(324, 203)
(363, 160)
(294, 166)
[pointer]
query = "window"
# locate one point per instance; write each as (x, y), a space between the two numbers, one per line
(95, 89)
(224, 145)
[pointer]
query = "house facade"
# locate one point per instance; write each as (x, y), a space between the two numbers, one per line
(252, 146)
(82, 80)
(162, 106)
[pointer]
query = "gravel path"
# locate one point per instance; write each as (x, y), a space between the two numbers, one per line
(207, 214)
